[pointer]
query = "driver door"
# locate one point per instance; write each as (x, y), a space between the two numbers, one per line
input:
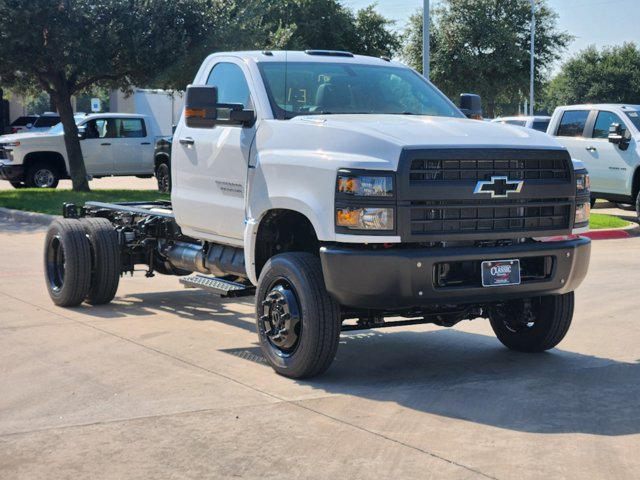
(214, 178)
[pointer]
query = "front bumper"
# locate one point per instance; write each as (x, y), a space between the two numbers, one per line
(12, 173)
(399, 279)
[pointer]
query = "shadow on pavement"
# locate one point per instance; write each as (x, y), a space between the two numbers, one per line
(472, 377)
(450, 373)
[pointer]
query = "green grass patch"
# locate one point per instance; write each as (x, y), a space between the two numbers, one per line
(50, 201)
(599, 221)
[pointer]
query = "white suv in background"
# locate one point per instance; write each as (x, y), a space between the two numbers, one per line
(605, 137)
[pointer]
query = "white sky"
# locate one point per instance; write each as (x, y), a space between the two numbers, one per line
(591, 22)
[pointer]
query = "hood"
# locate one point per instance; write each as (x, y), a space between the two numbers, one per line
(376, 141)
(15, 137)
(426, 131)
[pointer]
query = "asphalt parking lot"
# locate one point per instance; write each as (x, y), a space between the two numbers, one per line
(169, 383)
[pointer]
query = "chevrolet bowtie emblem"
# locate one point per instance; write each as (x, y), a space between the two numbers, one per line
(499, 187)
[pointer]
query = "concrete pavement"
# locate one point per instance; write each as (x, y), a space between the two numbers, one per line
(169, 383)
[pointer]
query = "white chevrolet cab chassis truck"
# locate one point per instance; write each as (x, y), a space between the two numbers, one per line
(345, 192)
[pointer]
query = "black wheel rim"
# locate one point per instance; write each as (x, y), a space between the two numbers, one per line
(55, 264)
(280, 322)
(520, 318)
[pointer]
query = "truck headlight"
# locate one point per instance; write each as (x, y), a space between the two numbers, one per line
(583, 183)
(372, 218)
(365, 185)
(583, 211)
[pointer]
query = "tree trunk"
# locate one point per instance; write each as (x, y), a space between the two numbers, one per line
(77, 170)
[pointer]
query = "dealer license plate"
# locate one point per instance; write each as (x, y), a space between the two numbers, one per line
(498, 273)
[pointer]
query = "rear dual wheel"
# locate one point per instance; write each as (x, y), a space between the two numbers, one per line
(82, 261)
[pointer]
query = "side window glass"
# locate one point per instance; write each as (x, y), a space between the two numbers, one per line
(572, 123)
(232, 84)
(603, 122)
(131, 128)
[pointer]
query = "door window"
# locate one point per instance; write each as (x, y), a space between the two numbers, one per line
(232, 84)
(572, 123)
(604, 121)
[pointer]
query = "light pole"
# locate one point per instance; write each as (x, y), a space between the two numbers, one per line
(533, 38)
(425, 39)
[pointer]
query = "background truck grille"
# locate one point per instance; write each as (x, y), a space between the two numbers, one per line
(530, 169)
(436, 199)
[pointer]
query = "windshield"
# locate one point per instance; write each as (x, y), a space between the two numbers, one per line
(328, 88)
(634, 116)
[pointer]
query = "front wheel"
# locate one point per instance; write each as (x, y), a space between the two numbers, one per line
(298, 322)
(638, 205)
(532, 324)
(41, 175)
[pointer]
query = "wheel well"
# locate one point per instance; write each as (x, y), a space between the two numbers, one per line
(54, 159)
(284, 231)
(161, 158)
(635, 186)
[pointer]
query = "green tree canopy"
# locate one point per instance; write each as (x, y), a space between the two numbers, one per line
(314, 24)
(611, 75)
(67, 46)
(483, 46)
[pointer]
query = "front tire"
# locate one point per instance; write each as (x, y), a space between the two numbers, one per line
(298, 322)
(533, 324)
(41, 175)
(67, 262)
(105, 260)
(638, 206)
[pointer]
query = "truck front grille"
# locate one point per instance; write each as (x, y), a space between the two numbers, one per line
(3, 154)
(439, 197)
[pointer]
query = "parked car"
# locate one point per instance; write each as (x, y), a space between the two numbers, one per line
(606, 138)
(116, 144)
(537, 122)
(44, 122)
(21, 123)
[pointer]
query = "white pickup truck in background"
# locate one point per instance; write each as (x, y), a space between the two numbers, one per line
(605, 137)
(115, 144)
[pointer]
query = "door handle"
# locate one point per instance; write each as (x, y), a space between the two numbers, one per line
(145, 143)
(188, 141)
(590, 149)
(105, 144)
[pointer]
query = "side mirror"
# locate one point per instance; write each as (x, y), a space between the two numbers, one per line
(202, 109)
(618, 136)
(29, 125)
(471, 105)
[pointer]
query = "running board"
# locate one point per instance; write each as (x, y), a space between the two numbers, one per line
(219, 286)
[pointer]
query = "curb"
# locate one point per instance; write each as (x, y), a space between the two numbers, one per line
(27, 217)
(44, 220)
